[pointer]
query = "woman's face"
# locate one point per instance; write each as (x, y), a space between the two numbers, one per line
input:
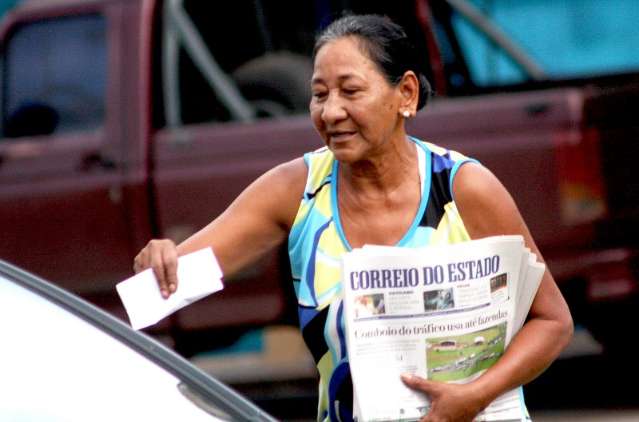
(354, 108)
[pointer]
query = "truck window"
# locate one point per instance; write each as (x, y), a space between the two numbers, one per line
(54, 77)
(261, 54)
(568, 39)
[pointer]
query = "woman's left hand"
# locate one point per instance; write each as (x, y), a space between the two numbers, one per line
(448, 402)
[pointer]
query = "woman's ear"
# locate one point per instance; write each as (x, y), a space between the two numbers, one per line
(409, 91)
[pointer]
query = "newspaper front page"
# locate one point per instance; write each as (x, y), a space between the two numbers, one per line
(444, 313)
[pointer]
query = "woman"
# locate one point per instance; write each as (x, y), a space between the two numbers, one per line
(372, 183)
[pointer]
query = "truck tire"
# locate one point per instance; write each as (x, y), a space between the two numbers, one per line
(276, 84)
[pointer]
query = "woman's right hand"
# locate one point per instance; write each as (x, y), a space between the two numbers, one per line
(162, 256)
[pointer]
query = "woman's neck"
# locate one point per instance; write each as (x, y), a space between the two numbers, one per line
(383, 172)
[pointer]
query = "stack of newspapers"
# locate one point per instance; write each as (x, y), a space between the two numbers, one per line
(445, 313)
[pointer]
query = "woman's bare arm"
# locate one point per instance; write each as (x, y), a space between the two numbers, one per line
(258, 220)
(487, 209)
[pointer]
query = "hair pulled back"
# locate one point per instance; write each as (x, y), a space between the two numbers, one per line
(384, 42)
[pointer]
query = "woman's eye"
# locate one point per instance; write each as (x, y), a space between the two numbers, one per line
(350, 91)
(319, 95)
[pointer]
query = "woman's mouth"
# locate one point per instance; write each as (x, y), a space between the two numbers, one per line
(340, 136)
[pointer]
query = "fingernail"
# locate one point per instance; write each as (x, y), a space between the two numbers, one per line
(172, 287)
(407, 377)
(164, 293)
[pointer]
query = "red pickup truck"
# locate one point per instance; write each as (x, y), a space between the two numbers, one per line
(124, 120)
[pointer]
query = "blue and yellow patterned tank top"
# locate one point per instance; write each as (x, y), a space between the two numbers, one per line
(316, 243)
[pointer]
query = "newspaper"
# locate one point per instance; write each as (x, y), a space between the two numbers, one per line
(445, 313)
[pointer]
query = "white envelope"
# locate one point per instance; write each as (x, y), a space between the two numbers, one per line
(199, 275)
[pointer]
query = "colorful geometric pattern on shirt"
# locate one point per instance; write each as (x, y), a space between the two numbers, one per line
(315, 248)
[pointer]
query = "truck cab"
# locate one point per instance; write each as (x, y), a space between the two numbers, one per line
(129, 120)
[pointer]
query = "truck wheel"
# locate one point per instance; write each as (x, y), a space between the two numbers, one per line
(276, 84)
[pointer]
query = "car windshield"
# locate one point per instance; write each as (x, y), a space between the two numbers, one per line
(566, 38)
(64, 360)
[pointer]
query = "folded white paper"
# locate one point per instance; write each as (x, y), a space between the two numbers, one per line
(199, 275)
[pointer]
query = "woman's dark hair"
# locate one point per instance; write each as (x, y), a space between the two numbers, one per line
(384, 42)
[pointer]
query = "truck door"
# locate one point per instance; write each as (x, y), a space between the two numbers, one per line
(214, 137)
(61, 207)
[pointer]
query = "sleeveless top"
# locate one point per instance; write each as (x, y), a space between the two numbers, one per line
(316, 243)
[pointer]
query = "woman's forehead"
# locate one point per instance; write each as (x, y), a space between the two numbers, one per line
(340, 57)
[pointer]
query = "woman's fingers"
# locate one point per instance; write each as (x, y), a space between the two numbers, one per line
(140, 261)
(170, 258)
(448, 402)
(157, 265)
(419, 383)
(161, 256)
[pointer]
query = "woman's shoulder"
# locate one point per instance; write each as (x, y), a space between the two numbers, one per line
(302, 173)
(280, 189)
(440, 152)
(444, 164)
(289, 174)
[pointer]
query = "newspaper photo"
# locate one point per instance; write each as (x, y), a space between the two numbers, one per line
(445, 313)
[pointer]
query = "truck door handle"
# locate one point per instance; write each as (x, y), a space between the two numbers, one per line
(96, 160)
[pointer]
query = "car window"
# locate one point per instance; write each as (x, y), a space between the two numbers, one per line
(567, 38)
(57, 367)
(55, 77)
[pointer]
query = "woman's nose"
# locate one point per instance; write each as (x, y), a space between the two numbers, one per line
(333, 109)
